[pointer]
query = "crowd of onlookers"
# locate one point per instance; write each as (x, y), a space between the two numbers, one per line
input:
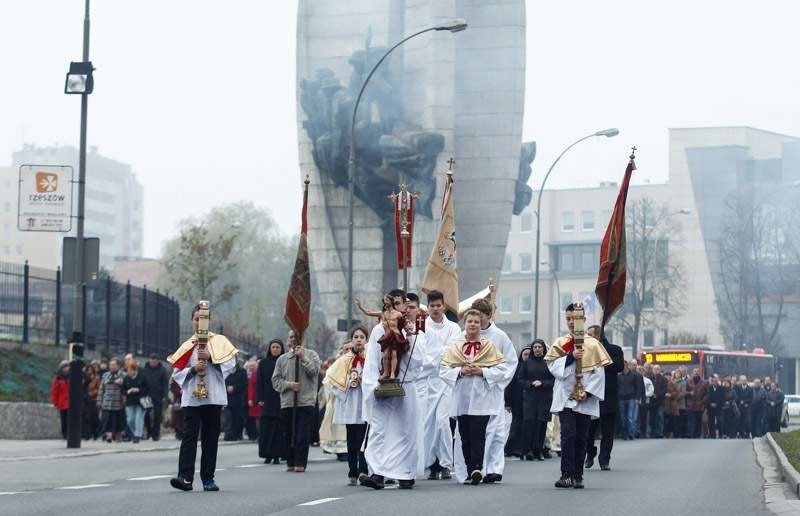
(121, 399)
(673, 404)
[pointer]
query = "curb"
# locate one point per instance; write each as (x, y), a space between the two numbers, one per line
(790, 475)
(93, 453)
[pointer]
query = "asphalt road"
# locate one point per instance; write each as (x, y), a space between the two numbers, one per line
(652, 477)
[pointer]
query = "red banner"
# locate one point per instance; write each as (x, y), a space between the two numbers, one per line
(403, 216)
(298, 299)
(610, 288)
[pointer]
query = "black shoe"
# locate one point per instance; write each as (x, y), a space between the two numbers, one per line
(433, 475)
(589, 462)
(539, 457)
(475, 477)
(135, 440)
(373, 481)
(444, 474)
(209, 485)
(577, 482)
(406, 484)
(491, 478)
(390, 481)
(565, 482)
(528, 457)
(276, 461)
(546, 454)
(353, 481)
(180, 483)
(605, 467)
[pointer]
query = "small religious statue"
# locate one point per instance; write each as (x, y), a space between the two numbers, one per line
(393, 343)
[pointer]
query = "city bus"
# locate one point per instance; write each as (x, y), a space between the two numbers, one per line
(756, 364)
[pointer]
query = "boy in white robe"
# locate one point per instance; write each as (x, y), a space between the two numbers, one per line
(465, 366)
(392, 435)
(437, 449)
(575, 414)
(498, 377)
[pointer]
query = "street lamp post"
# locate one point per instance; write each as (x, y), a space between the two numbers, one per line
(608, 133)
(456, 25)
(558, 296)
(79, 81)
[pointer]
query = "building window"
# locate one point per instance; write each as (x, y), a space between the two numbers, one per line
(507, 264)
(525, 262)
(526, 304)
(587, 220)
(19, 250)
(8, 207)
(6, 250)
(526, 222)
(649, 338)
(577, 258)
(567, 221)
(606, 217)
(525, 338)
(506, 305)
(566, 298)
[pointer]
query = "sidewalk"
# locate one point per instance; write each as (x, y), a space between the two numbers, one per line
(44, 449)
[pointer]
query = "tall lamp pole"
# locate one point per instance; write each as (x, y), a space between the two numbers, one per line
(80, 82)
(456, 25)
(608, 133)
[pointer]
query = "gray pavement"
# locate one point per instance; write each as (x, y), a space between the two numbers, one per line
(653, 477)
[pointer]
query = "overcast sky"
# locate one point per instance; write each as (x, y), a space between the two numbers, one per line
(199, 96)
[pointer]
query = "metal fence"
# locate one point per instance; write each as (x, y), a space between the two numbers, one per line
(35, 306)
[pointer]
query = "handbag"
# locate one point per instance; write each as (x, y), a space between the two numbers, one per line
(146, 402)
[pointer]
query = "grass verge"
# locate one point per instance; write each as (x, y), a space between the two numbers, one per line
(790, 444)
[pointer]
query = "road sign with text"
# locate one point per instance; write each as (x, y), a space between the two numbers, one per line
(45, 198)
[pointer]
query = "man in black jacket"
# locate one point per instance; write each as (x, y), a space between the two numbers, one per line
(714, 404)
(608, 406)
(630, 388)
(156, 378)
(236, 411)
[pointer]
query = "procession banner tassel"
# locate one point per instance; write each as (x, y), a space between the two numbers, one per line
(610, 289)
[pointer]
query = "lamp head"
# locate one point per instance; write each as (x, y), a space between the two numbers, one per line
(80, 80)
(608, 133)
(454, 25)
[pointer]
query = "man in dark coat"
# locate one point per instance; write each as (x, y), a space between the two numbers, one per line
(744, 399)
(536, 382)
(157, 379)
(758, 409)
(608, 406)
(656, 408)
(716, 400)
(236, 411)
(775, 400)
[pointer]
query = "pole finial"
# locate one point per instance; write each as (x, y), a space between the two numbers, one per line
(450, 163)
(633, 153)
(307, 181)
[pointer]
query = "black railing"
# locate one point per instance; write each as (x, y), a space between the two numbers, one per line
(35, 306)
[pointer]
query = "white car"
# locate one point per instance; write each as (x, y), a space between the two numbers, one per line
(792, 402)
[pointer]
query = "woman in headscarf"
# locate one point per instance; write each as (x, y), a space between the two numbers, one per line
(513, 396)
(536, 382)
(271, 436)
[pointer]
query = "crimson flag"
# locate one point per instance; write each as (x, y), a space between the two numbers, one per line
(403, 222)
(610, 288)
(298, 299)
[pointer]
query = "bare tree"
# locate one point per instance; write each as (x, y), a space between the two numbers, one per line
(753, 253)
(655, 278)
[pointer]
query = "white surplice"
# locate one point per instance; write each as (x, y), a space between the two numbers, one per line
(437, 439)
(349, 404)
(594, 382)
(215, 382)
(393, 422)
(498, 378)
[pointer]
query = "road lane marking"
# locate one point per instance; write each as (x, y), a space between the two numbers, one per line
(318, 502)
(219, 469)
(14, 492)
(249, 465)
(152, 477)
(87, 486)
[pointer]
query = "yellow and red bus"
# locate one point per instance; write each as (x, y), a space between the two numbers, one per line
(756, 364)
